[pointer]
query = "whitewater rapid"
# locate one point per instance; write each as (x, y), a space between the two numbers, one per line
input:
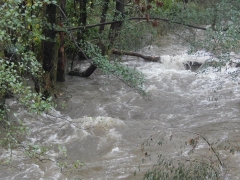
(101, 123)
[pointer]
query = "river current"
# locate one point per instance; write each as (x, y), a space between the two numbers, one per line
(102, 122)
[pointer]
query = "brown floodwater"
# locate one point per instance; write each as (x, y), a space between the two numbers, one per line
(103, 123)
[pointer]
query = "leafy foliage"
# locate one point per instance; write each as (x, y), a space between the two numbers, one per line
(21, 38)
(130, 76)
(223, 35)
(130, 38)
(19, 28)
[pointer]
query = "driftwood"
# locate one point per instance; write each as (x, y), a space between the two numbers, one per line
(192, 65)
(147, 58)
(93, 67)
(86, 73)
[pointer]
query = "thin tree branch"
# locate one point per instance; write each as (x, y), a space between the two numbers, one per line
(170, 21)
(70, 33)
(137, 18)
(209, 144)
(91, 26)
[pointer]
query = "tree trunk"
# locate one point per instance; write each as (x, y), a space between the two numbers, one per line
(103, 15)
(147, 58)
(49, 50)
(105, 7)
(83, 12)
(115, 27)
(2, 102)
(82, 22)
(61, 54)
(2, 107)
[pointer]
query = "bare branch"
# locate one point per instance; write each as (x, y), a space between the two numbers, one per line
(209, 144)
(137, 18)
(147, 58)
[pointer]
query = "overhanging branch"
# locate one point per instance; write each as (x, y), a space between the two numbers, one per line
(137, 18)
(170, 21)
(91, 26)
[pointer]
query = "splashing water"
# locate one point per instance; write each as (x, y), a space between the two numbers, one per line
(106, 122)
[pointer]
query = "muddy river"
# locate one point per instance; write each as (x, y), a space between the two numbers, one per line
(100, 123)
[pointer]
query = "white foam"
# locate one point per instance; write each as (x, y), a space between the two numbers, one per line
(100, 121)
(116, 149)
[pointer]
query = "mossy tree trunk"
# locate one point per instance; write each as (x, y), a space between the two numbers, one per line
(49, 49)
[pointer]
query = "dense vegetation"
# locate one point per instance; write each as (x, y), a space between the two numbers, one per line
(37, 38)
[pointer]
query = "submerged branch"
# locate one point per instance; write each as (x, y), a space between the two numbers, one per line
(86, 73)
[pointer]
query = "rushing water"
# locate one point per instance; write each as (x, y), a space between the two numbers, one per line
(103, 122)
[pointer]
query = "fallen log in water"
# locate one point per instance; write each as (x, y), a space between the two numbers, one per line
(86, 73)
(147, 58)
(192, 65)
